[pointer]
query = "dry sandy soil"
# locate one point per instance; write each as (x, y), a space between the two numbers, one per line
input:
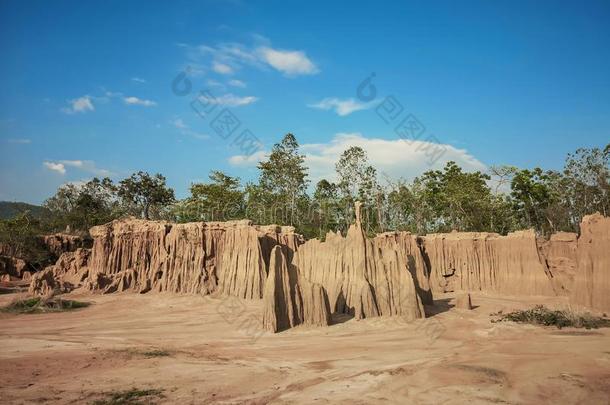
(211, 350)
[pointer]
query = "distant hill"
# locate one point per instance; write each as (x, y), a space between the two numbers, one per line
(10, 209)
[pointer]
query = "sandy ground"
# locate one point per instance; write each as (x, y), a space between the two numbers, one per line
(216, 353)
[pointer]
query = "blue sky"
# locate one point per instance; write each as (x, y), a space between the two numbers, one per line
(87, 86)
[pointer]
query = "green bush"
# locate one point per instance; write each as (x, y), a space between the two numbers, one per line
(540, 315)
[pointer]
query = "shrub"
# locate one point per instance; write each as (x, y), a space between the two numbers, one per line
(540, 315)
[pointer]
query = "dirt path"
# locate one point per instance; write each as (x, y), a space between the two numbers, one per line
(208, 350)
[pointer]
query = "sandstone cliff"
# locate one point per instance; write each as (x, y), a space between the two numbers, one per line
(592, 280)
(68, 272)
(362, 277)
(59, 243)
(559, 253)
(197, 258)
(13, 268)
(290, 300)
(489, 262)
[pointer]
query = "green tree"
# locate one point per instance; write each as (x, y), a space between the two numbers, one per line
(327, 213)
(588, 174)
(220, 200)
(357, 180)
(20, 237)
(80, 207)
(459, 200)
(140, 193)
(532, 197)
(284, 175)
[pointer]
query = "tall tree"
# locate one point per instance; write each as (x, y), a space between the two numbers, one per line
(142, 192)
(588, 172)
(220, 200)
(459, 200)
(80, 207)
(358, 181)
(284, 174)
(328, 214)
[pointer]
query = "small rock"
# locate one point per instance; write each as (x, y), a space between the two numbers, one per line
(463, 301)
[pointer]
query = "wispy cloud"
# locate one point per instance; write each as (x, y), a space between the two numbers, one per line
(237, 83)
(248, 160)
(138, 80)
(138, 101)
(19, 140)
(55, 167)
(178, 123)
(222, 68)
(186, 130)
(87, 166)
(230, 100)
(342, 107)
(79, 105)
(227, 58)
(291, 63)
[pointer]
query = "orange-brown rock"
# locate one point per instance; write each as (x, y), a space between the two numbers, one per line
(471, 261)
(592, 280)
(289, 300)
(362, 277)
(559, 253)
(409, 248)
(13, 268)
(59, 243)
(198, 258)
(66, 274)
(463, 301)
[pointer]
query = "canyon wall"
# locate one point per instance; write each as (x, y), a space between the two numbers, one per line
(393, 274)
(364, 277)
(289, 299)
(591, 287)
(471, 261)
(196, 258)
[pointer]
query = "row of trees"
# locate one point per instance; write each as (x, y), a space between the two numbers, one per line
(502, 200)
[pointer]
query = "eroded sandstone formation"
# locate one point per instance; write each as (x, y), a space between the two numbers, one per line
(362, 277)
(13, 268)
(196, 258)
(59, 243)
(559, 253)
(289, 299)
(68, 272)
(393, 274)
(471, 261)
(592, 280)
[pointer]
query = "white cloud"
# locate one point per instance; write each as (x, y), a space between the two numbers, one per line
(222, 68)
(87, 166)
(138, 80)
(230, 100)
(19, 140)
(214, 83)
(288, 62)
(139, 101)
(226, 58)
(79, 105)
(178, 123)
(395, 158)
(185, 130)
(56, 167)
(342, 107)
(248, 160)
(237, 83)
